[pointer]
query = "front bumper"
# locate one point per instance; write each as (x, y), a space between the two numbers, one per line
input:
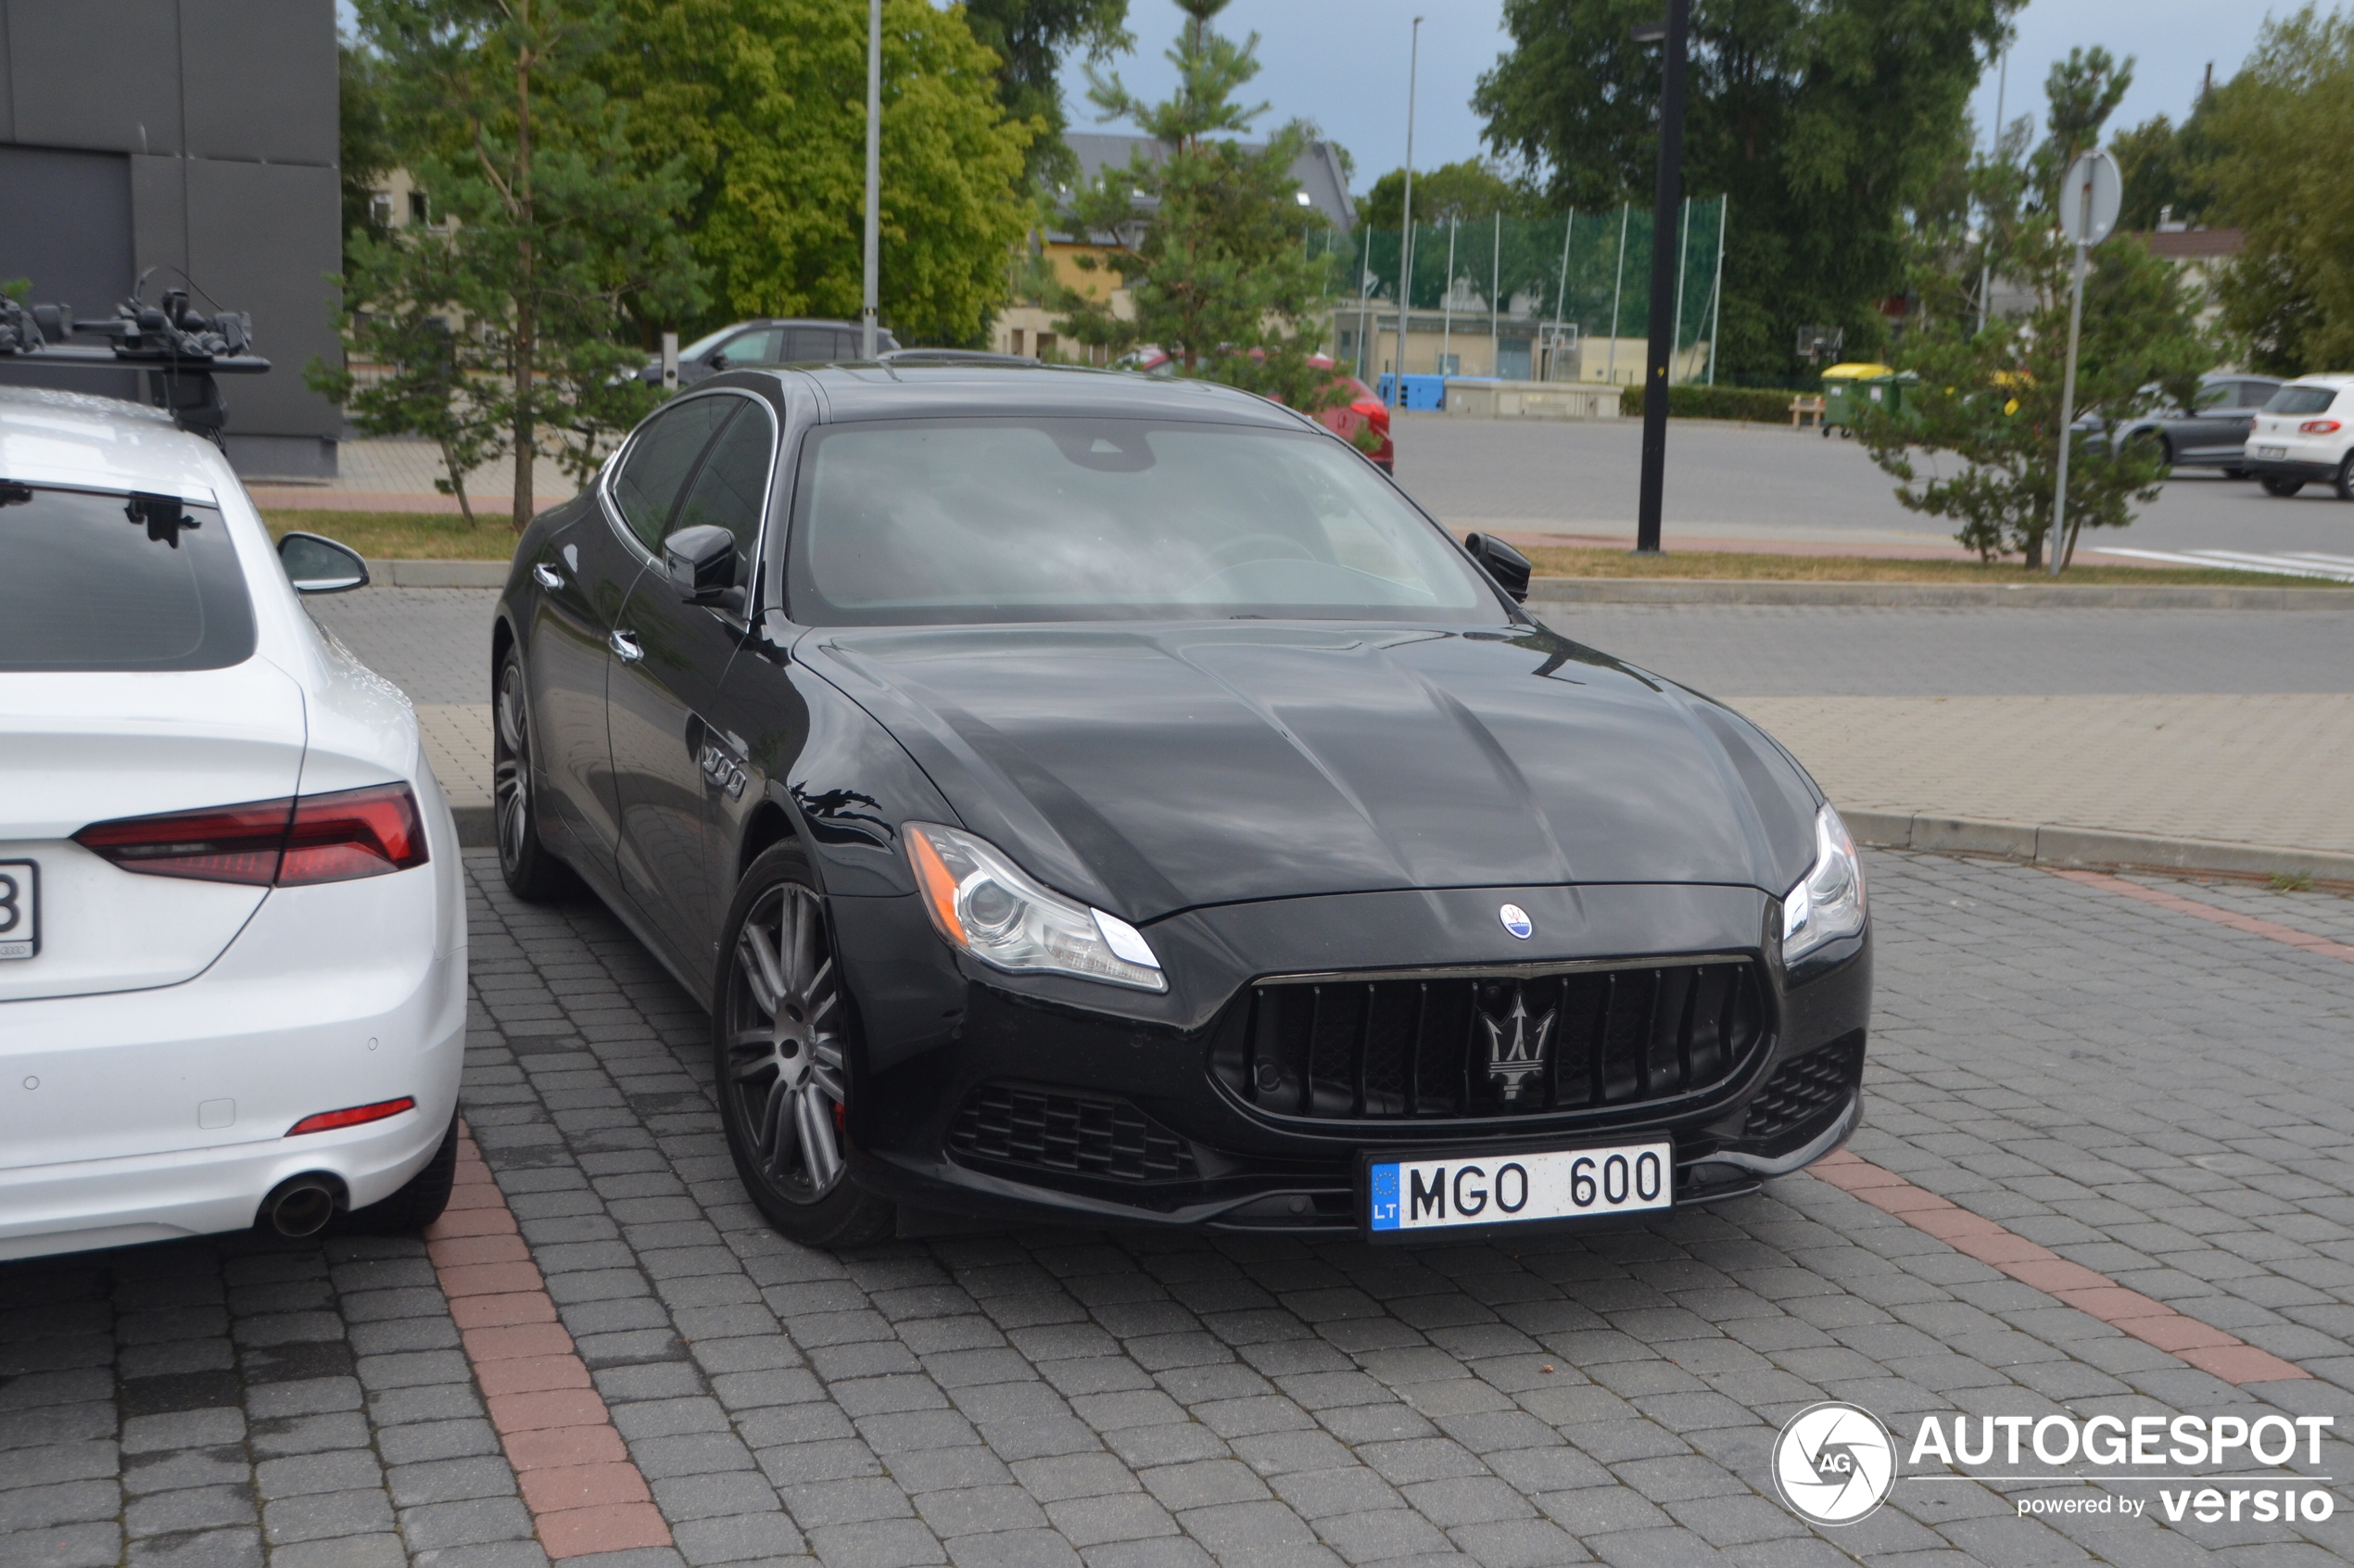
(144, 1116)
(1121, 1117)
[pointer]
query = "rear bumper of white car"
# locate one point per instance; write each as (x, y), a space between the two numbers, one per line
(146, 1115)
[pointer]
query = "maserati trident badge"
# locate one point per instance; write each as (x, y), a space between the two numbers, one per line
(1515, 920)
(1517, 1049)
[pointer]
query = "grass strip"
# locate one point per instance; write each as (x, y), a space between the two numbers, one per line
(404, 535)
(1562, 560)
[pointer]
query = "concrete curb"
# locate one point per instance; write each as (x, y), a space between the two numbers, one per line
(2043, 844)
(439, 574)
(2020, 595)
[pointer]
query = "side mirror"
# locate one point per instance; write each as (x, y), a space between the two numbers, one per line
(718, 361)
(700, 563)
(317, 565)
(1507, 565)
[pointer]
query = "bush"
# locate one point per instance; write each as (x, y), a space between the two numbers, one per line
(1766, 405)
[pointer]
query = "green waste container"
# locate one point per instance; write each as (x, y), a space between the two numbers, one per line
(1843, 391)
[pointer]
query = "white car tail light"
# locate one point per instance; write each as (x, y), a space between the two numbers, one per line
(2318, 427)
(327, 1121)
(331, 838)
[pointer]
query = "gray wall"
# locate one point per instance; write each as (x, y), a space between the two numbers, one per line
(215, 119)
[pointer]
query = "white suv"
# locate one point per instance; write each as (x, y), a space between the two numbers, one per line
(232, 936)
(2305, 435)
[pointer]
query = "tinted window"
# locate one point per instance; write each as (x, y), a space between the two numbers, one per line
(810, 344)
(2301, 400)
(87, 587)
(938, 522)
(2222, 395)
(2253, 394)
(661, 456)
(732, 488)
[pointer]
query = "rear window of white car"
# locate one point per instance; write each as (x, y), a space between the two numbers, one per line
(2301, 400)
(91, 581)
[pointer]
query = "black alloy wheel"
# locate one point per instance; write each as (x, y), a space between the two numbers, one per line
(2282, 487)
(532, 871)
(2159, 450)
(780, 1056)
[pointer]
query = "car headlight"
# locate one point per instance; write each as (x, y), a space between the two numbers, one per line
(985, 906)
(1828, 903)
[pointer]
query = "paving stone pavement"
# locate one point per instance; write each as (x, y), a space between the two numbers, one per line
(2150, 1094)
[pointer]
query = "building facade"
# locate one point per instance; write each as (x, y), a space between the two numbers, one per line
(197, 138)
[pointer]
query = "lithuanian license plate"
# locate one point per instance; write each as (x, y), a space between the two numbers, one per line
(2271, 451)
(1497, 1189)
(19, 908)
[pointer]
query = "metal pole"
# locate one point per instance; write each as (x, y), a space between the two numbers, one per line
(2068, 391)
(1447, 303)
(874, 175)
(1561, 289)
(1617, 287)
(1716, 288)
(1683, 265)
(1661, 321)
(1986, 258)
(1406, 228)
(1494, 304)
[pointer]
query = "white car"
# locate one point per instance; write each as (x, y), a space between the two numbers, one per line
(2306, 435)
(232, 936)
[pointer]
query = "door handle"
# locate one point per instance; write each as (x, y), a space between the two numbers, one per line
(624, 647)
(548, 577)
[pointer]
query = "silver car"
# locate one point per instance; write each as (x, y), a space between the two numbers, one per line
(2213, 432)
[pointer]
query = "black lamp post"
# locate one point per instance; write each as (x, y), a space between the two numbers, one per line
(1664, 200)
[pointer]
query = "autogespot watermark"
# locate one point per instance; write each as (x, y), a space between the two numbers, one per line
(1834, 1463)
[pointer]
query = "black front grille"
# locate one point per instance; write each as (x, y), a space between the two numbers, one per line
(1082, 1134)
(1804, 1091)
(1485, 1045)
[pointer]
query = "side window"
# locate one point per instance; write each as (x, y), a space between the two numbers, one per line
(809, 344)
(2223, 394)
(659, 459)
(753, 348)
(732, 489)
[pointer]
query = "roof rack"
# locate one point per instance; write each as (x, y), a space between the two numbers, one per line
(179, 349)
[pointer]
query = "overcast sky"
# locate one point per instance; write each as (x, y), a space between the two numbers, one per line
(1342, 63)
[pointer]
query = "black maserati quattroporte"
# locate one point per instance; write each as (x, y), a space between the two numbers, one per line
(1086, 797)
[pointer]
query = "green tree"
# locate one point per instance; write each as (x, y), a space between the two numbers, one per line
(2168, 167)
(1824, 122)
(762, 104)
(366, 150)
(563, 228)
(2282, 179)
(1210, 253)
(1030, 39)
(398, 292)
(1471, 190)
(1991, 397)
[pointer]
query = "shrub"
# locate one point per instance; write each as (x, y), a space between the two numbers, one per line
(1766, 405)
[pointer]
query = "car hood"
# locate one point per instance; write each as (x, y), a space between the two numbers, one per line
(1152, 769)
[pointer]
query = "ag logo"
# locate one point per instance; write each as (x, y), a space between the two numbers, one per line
(1833, 1463)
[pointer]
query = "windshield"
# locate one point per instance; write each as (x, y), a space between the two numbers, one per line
(2301, 400)
(946, 522)
(105, 582)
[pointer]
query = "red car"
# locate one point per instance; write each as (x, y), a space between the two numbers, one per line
(1359, 407)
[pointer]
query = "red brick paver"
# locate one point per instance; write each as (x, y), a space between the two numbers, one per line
(585, 1493)
(2231, 917)
(2096, 1294)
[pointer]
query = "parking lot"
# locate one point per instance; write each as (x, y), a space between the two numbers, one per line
(2135, 1089)
(2102, 1172)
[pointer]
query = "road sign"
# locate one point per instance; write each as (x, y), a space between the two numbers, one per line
(2089, 198)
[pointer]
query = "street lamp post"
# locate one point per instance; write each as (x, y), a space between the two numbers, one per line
(867, 299)
(1665, 200)
(1406, 227)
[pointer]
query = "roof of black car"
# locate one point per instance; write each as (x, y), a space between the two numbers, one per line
(944, 390)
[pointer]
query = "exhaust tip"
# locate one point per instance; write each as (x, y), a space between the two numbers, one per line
(300, 1206)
